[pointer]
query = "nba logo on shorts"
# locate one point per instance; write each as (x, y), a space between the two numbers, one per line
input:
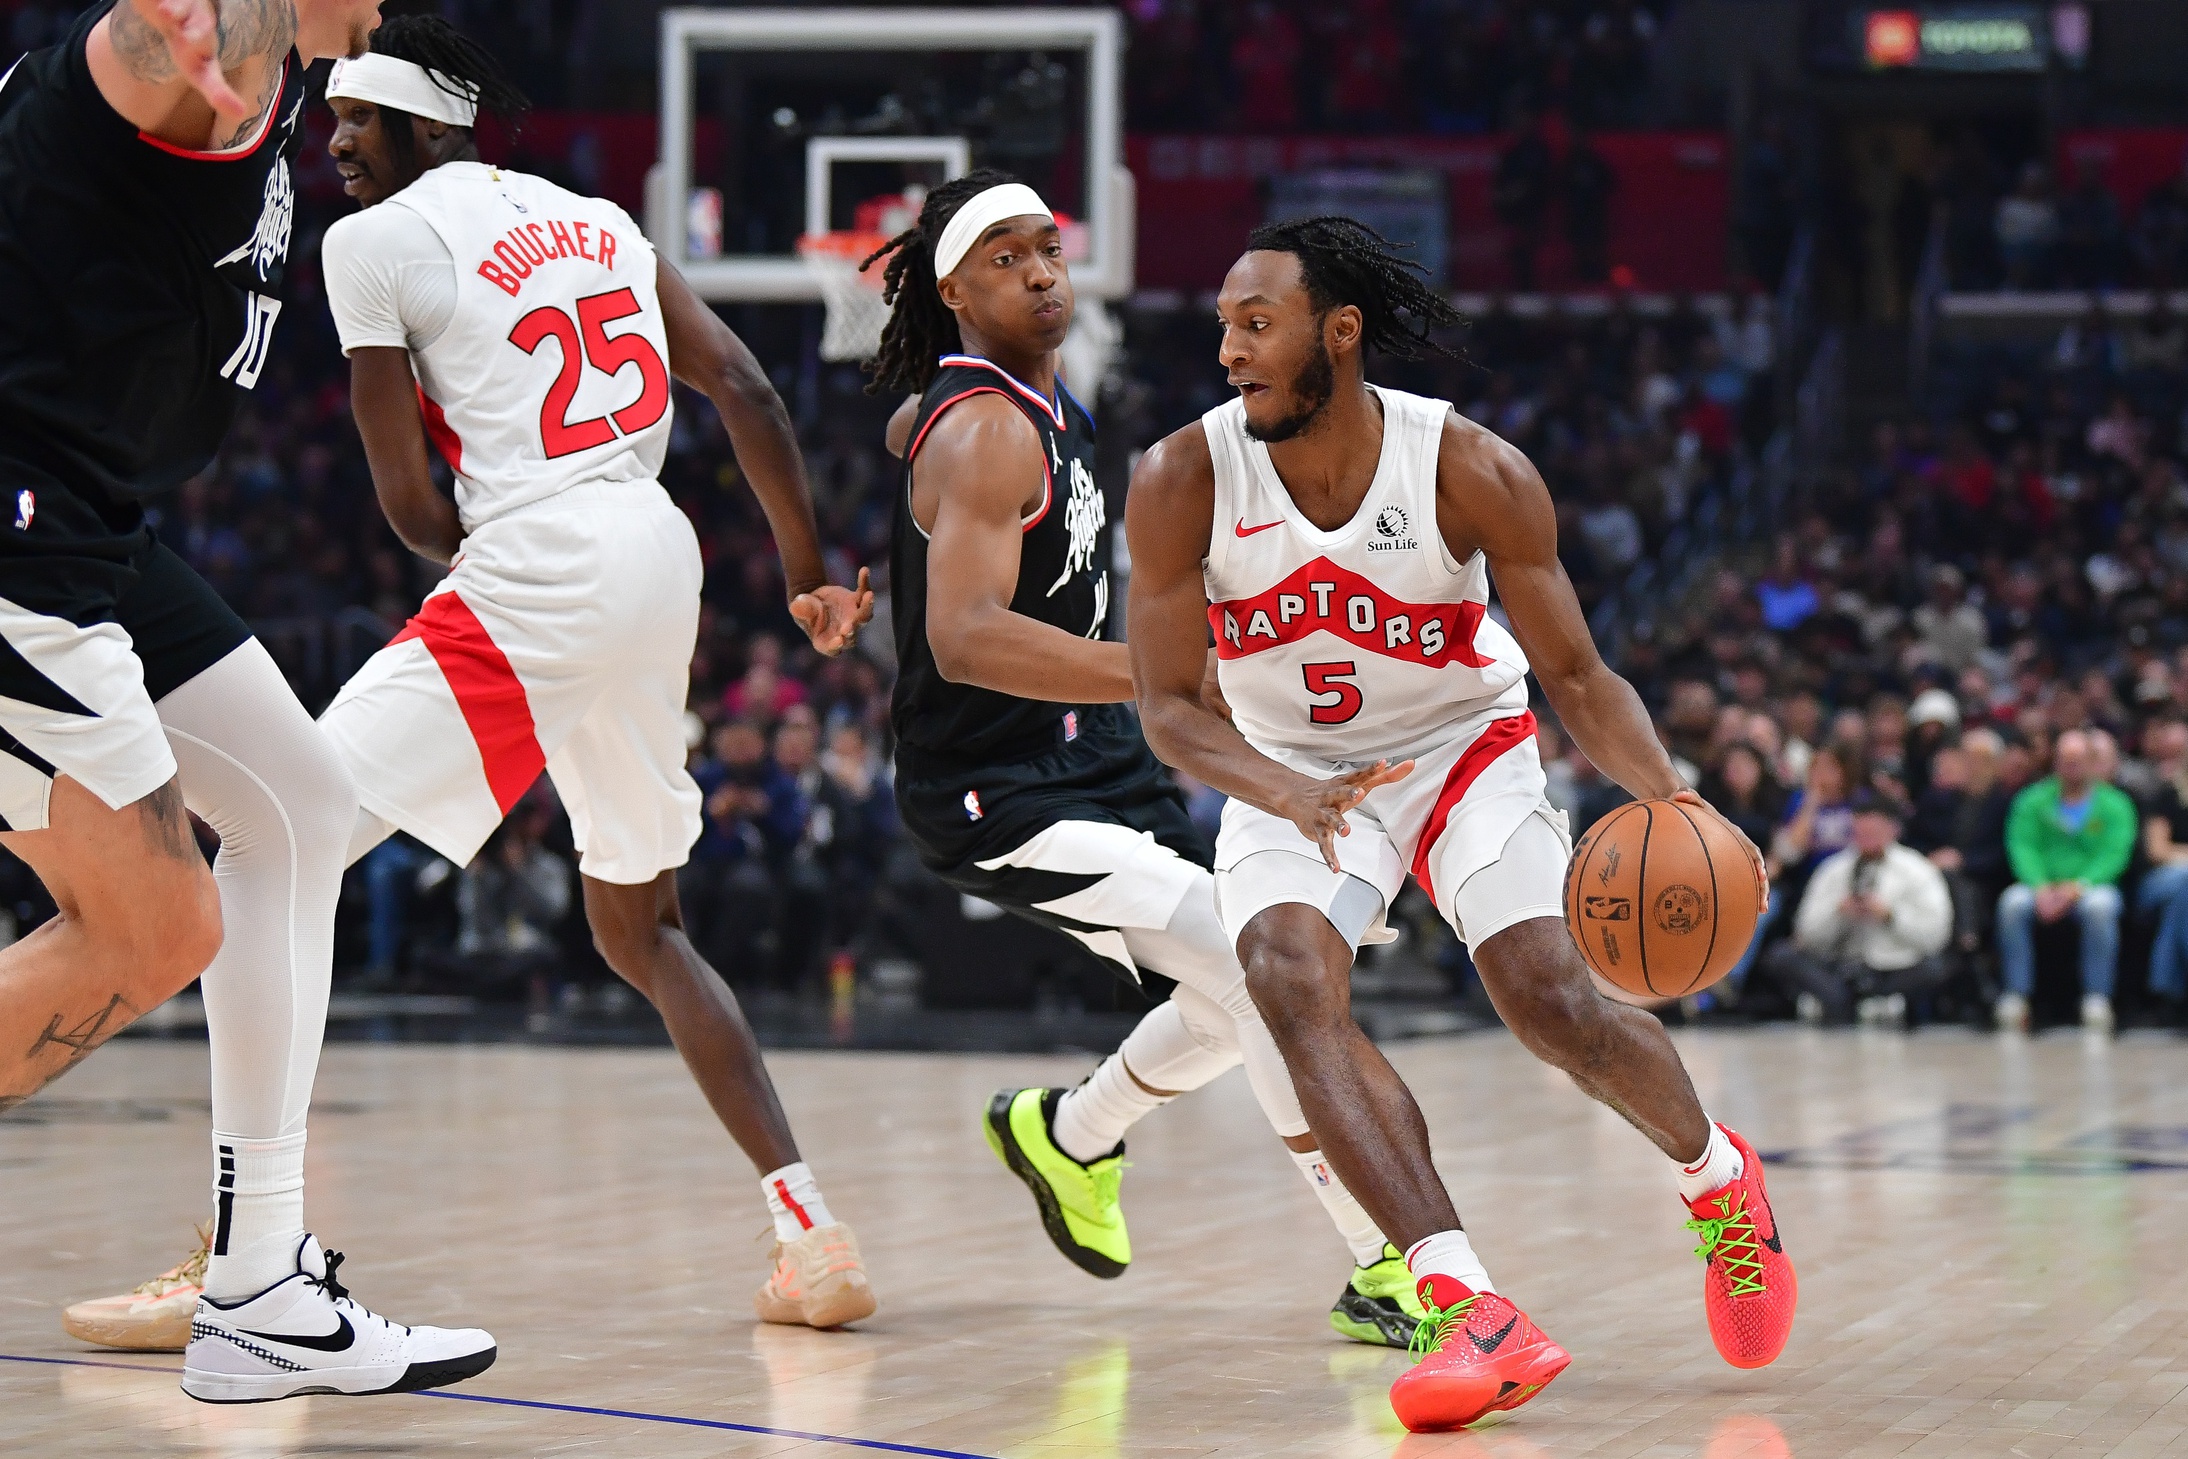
(972, 805)
(26, 507)
(1071, 718)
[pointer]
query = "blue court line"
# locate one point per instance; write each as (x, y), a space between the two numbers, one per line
(634, 1414)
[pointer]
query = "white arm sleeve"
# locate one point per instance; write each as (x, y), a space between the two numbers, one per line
(391, 282)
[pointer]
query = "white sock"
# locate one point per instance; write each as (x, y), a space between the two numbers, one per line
(1091, 1119)
(1719, 1166)
(794, 1200)
(1350, 1218)
(258, 1213)
(1449, 1254)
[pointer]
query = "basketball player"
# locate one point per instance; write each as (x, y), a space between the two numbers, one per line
(532, 333)
(146, 205)
(1339, 538)
(1020, 777)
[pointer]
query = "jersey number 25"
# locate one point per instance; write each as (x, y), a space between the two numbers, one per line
(586, 338)
(1331, 679)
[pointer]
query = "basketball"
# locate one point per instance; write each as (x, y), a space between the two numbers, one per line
(1662, 897)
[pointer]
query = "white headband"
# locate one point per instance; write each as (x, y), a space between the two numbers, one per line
(981, 212)
(386, 81)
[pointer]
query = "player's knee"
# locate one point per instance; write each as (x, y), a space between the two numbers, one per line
(1292, 988)
(1541, 990)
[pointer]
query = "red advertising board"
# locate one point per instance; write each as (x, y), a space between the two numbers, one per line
(2130, 160)
(1200, 195)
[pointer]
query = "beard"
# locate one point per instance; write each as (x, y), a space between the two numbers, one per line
(1311, 389)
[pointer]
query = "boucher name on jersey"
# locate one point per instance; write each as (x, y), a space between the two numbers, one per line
(554, 369)
(1357, 643)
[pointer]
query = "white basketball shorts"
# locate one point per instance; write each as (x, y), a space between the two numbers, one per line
(1470, 823)
(561, 641)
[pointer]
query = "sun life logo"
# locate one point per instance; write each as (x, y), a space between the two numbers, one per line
(1392, 525)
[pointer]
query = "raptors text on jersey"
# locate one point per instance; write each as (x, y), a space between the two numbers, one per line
(1355, 644)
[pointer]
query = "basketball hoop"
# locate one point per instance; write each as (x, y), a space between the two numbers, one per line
(856, 314)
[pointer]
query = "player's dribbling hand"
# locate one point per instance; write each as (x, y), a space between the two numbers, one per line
(832, 616)
(191, 29)
(1762, 867)
(1318, 807)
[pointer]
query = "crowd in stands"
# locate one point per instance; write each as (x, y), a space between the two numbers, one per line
(1972, 651)
(1273, 66)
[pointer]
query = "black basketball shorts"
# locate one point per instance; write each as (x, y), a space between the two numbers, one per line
(1090, 839)
(90, 641)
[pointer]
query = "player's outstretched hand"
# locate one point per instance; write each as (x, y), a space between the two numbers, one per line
(1318, 807)
(1762, 867)
(832, 616)
(191, 29)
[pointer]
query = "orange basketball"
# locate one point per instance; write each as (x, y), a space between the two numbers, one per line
(1662, 897)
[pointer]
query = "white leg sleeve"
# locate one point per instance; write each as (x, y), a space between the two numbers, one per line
(261, 774)
(1195, 951)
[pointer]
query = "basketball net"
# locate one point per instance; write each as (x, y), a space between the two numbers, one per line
(856, 315)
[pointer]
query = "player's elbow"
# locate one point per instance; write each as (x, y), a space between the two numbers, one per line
(954, 655)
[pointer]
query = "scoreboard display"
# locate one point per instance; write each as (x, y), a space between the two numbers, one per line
(1969, 36)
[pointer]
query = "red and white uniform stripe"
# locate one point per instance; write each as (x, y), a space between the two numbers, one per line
(1368, 642)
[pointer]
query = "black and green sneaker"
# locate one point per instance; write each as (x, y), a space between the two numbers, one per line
(1380, 1304)
(1078, 1202)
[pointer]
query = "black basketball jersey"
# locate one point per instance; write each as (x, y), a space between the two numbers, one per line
(1063, 579)
(139, 284)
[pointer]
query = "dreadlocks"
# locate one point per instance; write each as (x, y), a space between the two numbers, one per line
(1347, 262)
(921, 328)
(450, 57)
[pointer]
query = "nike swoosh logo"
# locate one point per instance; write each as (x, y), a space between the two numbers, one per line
(1774, 1244)
(1245, 531)
(336, 1341)
(1490, 1345)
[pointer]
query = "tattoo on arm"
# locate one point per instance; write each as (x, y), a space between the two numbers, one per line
(249, 30)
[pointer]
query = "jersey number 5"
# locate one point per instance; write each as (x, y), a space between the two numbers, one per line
(1330, 679)
(586, 338)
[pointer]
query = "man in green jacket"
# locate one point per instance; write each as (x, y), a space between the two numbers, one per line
(2068, 839)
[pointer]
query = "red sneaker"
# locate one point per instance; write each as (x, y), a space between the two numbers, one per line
(1478, 1354)
(1748, 1287)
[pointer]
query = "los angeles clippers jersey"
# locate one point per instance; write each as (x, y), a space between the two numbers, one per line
(1063, 580)
(1358, 644)
(140, 284)
(553, 369)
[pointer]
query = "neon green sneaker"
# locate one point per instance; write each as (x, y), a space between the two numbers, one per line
(1078, 1202)
(1380, 1304)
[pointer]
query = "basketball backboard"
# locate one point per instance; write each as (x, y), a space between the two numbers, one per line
(786, 123)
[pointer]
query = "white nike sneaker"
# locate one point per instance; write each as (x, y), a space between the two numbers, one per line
(305, 1334)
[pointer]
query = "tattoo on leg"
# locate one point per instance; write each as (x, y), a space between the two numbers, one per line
(167, 823)
(88, 1033)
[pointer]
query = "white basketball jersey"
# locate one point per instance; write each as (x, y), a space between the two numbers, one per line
(1357, 644)
(554, 368)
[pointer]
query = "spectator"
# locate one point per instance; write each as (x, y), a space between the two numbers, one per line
(1873, 925)
(2090, 238)
(2163, 893)
(1590, 183)
(2028, 229)
(1788, 598)
(1521, 195)
(510, 905)
(2069, 838)
(1951, 629)
(1265, 67)
(1960, 824)
(1743, 791)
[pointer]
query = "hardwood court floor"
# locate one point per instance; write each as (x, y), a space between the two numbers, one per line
(1991, 1238)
